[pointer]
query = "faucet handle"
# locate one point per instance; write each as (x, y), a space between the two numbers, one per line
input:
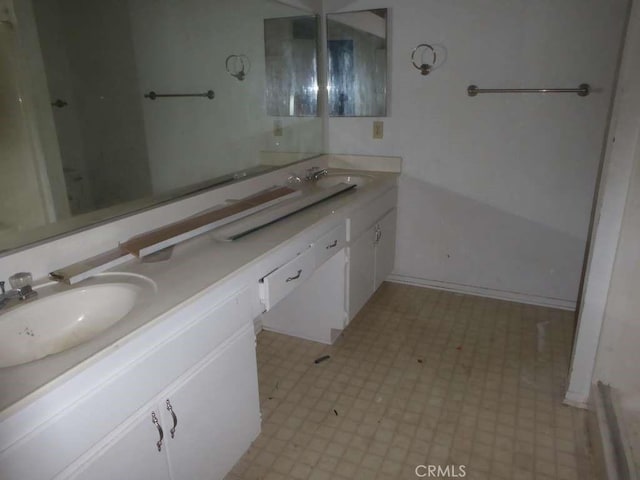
(312, 172)
(20, 280)
(293, 179)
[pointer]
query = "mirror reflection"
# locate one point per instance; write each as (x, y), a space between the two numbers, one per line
(86, 140)
(291, 62)
(357, 63)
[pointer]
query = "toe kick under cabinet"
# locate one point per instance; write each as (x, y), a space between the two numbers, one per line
(187, 408)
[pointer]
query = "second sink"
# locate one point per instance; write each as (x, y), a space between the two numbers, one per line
(358, 179)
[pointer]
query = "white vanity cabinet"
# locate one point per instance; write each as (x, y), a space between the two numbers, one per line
(196, 348)
(130, 452)
(371, 257)
(352, 261)
(201, 358)
(316, 309)
(216, 418)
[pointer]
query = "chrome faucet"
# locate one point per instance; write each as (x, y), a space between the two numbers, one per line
(314, 173)
(21, 289)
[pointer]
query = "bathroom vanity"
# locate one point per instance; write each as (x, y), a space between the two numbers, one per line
(171, 391)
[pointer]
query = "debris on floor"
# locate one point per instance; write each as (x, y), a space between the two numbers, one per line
(322, 359)
(274, 389)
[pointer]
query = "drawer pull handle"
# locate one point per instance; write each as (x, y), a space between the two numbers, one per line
(331, 245)
(175, 419)
(154, 419)
(295, 277)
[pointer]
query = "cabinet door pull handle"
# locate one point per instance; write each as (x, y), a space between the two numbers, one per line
(295, 277)
(331, 245)
(154, 419)
(175, 418)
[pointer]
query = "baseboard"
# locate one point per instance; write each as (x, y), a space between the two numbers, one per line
(485, 292)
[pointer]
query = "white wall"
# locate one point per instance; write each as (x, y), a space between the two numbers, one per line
(496, 190)
(608, 322)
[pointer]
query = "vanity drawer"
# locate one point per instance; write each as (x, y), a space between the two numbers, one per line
(330, 243)
(277, 285)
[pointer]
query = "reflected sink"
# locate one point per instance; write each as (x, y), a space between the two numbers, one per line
(359, 179)
(59, 320)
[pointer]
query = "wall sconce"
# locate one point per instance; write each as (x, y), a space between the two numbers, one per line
(237, 66)
(424, 49)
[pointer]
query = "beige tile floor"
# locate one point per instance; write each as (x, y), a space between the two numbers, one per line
(422, 377)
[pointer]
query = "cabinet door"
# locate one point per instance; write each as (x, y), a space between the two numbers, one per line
(129, 452)
(361, 271)
(217, 411)
(385, 247)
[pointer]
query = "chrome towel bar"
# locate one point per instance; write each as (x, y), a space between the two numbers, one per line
(153, 95)
(583, 90)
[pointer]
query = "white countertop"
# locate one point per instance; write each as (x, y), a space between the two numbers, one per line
(196, 266)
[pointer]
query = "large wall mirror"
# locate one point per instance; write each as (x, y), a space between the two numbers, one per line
(357, 63)
(83, 139)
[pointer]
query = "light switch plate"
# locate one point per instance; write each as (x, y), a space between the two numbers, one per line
(277, 128)
(378, 129)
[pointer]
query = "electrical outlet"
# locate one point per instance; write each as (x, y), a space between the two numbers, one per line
(277, 128)
(378, 129)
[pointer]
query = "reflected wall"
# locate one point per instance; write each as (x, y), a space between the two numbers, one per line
(291, 46)
(357, 63)
(99, 146)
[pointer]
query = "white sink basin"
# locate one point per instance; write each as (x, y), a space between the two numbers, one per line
(359, 179)
(55, 322)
